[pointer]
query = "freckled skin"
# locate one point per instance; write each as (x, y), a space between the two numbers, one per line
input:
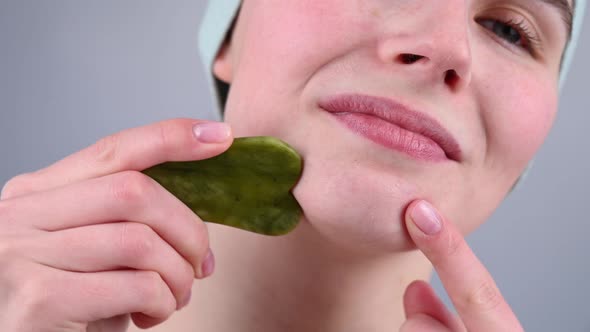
(247, 187)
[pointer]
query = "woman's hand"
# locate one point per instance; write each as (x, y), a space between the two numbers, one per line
(90, 242)
(472, 289)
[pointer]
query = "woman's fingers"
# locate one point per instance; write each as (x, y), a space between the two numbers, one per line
(125, 196)
(95, 296)
(56, 300)
(420, 299)
(114, 324)
(113, 246)
(132, 149)
(473, 291)
(99, 240)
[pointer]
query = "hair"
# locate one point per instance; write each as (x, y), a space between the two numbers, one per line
(222, 87)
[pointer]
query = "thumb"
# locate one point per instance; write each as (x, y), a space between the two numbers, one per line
(421, 300)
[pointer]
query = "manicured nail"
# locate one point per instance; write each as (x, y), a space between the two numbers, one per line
(185, 300)
(426, 218)
(208, 265)
(212, 132)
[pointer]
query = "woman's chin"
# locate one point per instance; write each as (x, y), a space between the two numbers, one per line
(356, 214)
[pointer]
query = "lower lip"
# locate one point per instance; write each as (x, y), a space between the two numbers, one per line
(393, 137)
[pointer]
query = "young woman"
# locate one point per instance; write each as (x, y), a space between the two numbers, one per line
(414, 120)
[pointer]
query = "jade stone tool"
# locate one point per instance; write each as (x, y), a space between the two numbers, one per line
(248, 186)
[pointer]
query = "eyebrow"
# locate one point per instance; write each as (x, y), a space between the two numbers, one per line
(566, 11)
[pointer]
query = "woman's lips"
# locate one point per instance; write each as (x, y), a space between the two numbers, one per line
(394, 126)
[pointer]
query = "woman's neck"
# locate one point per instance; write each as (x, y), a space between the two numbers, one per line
(298, 282)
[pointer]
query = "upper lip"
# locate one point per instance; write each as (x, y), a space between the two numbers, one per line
(398, 114)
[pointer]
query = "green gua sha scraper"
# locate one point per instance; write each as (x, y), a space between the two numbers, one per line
(248, 186)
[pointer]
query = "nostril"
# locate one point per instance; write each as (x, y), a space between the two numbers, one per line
(409, 59)
(451, 77)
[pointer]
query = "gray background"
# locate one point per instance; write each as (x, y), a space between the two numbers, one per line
(74, 71)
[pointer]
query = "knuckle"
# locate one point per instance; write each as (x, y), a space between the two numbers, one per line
(6, 216)
(18, 185)
(171, 135)
(163, 130)
(448, 249)
(7, 252)
(152, 289)
(188, 277)
(485, 297)
(36, 295)
(199, 247)
(132, 187)
(201, 239)
(453, 245)
(137, 241)
(149, 285)
(105, 150)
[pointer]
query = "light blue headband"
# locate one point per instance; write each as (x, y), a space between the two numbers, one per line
(220, 14)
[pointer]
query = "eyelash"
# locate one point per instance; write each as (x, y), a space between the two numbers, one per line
(530, 40)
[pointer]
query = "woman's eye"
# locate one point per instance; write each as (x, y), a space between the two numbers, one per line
(505, 31)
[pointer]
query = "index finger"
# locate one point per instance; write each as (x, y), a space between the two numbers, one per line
(468, 283)
(133, 149)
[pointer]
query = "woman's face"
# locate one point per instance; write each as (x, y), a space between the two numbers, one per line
(485, 70)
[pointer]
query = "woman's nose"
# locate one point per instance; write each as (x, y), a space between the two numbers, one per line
(436, 48)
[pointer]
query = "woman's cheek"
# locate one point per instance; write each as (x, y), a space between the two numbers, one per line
(517, 119)
(283, 44)
(522, 120)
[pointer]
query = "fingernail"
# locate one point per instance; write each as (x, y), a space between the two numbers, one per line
(208, 265)
(426, 218)
(212, 132)
(185, 300)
